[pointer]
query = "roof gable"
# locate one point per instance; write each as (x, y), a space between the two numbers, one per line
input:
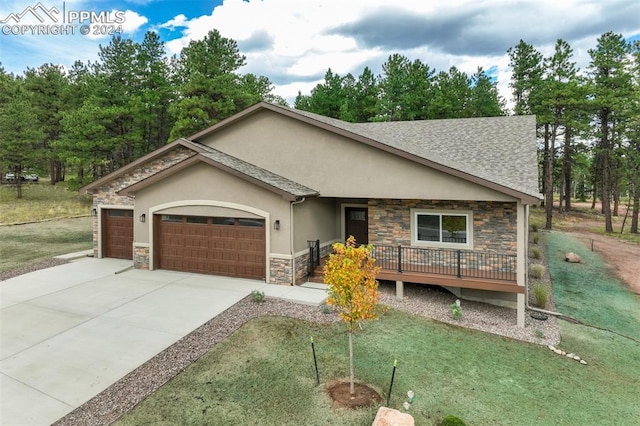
(496, 152)
(280, 185)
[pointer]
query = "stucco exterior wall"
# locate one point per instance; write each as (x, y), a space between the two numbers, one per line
(204, 190)
(335, 165)
(314, 219)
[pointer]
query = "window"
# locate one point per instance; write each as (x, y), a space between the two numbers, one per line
(251, 222)
(197, 219)
(442, 228)
(223, 221)
(171, 218)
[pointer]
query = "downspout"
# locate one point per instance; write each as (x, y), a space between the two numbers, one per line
(293, 251)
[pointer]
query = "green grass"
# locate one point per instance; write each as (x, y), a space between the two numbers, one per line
(41, 202)
(34, 242)
(262, 374)
(589, 291)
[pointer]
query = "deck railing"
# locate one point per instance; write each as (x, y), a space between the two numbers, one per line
(457, 263)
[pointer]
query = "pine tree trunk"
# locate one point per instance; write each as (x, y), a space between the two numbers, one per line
(548, 175)
(606, 171)
(566, 169)
(636, 210)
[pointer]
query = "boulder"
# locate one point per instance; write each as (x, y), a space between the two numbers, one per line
(390, 417)
(571, 258)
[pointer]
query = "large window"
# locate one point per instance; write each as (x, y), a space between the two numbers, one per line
(441, 228)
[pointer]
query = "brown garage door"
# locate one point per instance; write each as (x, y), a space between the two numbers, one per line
(211, 245)
(117, 234)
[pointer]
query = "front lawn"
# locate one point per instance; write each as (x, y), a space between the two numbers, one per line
(41, 201)
(262, 374)
(24, 245)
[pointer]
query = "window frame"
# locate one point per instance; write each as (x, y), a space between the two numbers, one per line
(468, 214)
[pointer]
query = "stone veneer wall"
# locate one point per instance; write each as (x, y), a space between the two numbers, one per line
(280, 271)
(494, 223)
(141, 257)
(106, 194)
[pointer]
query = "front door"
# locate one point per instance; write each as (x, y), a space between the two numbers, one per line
(356, 223)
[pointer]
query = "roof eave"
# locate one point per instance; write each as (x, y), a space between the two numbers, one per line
(132, 189)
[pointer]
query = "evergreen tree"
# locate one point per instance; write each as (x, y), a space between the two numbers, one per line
(610, 90)
(485, 100)
(210, 88)
(49, 89)
(20, 134)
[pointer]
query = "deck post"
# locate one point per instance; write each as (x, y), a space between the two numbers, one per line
(399, 258)
(520, 309)
(400, 289)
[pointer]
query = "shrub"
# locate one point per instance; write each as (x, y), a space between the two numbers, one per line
(452, 421)
(536, 253)
(536, 271)
(534, 226)
(536, 238)
(541, 294)
(257, 296)
(456, 309)
(539, 333)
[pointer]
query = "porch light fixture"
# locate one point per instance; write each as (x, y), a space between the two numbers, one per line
(276, 225)
(143, 217)
(94, 212)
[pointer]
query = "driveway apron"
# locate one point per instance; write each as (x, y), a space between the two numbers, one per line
(68, 332)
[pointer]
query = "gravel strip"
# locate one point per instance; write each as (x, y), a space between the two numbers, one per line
(125, 394)
(30, 268)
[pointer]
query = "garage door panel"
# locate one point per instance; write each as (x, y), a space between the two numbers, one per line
(117, 233)
(219, 246)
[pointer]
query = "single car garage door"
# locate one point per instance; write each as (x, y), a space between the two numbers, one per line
(117, 233)
(229, 246)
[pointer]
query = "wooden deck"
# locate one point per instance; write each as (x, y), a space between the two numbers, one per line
(451, 281)
(507, 285)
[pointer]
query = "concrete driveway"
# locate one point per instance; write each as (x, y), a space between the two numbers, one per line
(69, 332)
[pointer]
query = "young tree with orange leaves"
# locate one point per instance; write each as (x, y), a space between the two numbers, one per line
(353, 289)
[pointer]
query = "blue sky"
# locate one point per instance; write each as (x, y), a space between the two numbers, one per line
(293, 42)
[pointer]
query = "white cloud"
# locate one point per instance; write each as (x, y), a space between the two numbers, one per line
(131, 23)
(179, 21)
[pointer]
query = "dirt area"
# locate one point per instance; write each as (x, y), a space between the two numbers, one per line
(622, 256)
(364, 395)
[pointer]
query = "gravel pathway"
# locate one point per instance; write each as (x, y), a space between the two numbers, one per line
(125, 394)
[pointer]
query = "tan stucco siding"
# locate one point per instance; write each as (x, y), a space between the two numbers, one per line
(314, 219)
(204, 190)
(337, 166)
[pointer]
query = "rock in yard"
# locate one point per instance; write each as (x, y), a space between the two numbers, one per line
(390, 417)
(572, 258)
(583, 362)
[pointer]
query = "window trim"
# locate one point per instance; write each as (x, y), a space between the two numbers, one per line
(414, 229)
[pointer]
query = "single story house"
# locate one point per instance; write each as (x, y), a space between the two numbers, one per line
(265, 193)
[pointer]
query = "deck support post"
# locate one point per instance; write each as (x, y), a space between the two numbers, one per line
(521, 309)
(399, 289)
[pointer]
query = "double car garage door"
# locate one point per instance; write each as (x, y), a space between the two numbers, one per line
(227, 246)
